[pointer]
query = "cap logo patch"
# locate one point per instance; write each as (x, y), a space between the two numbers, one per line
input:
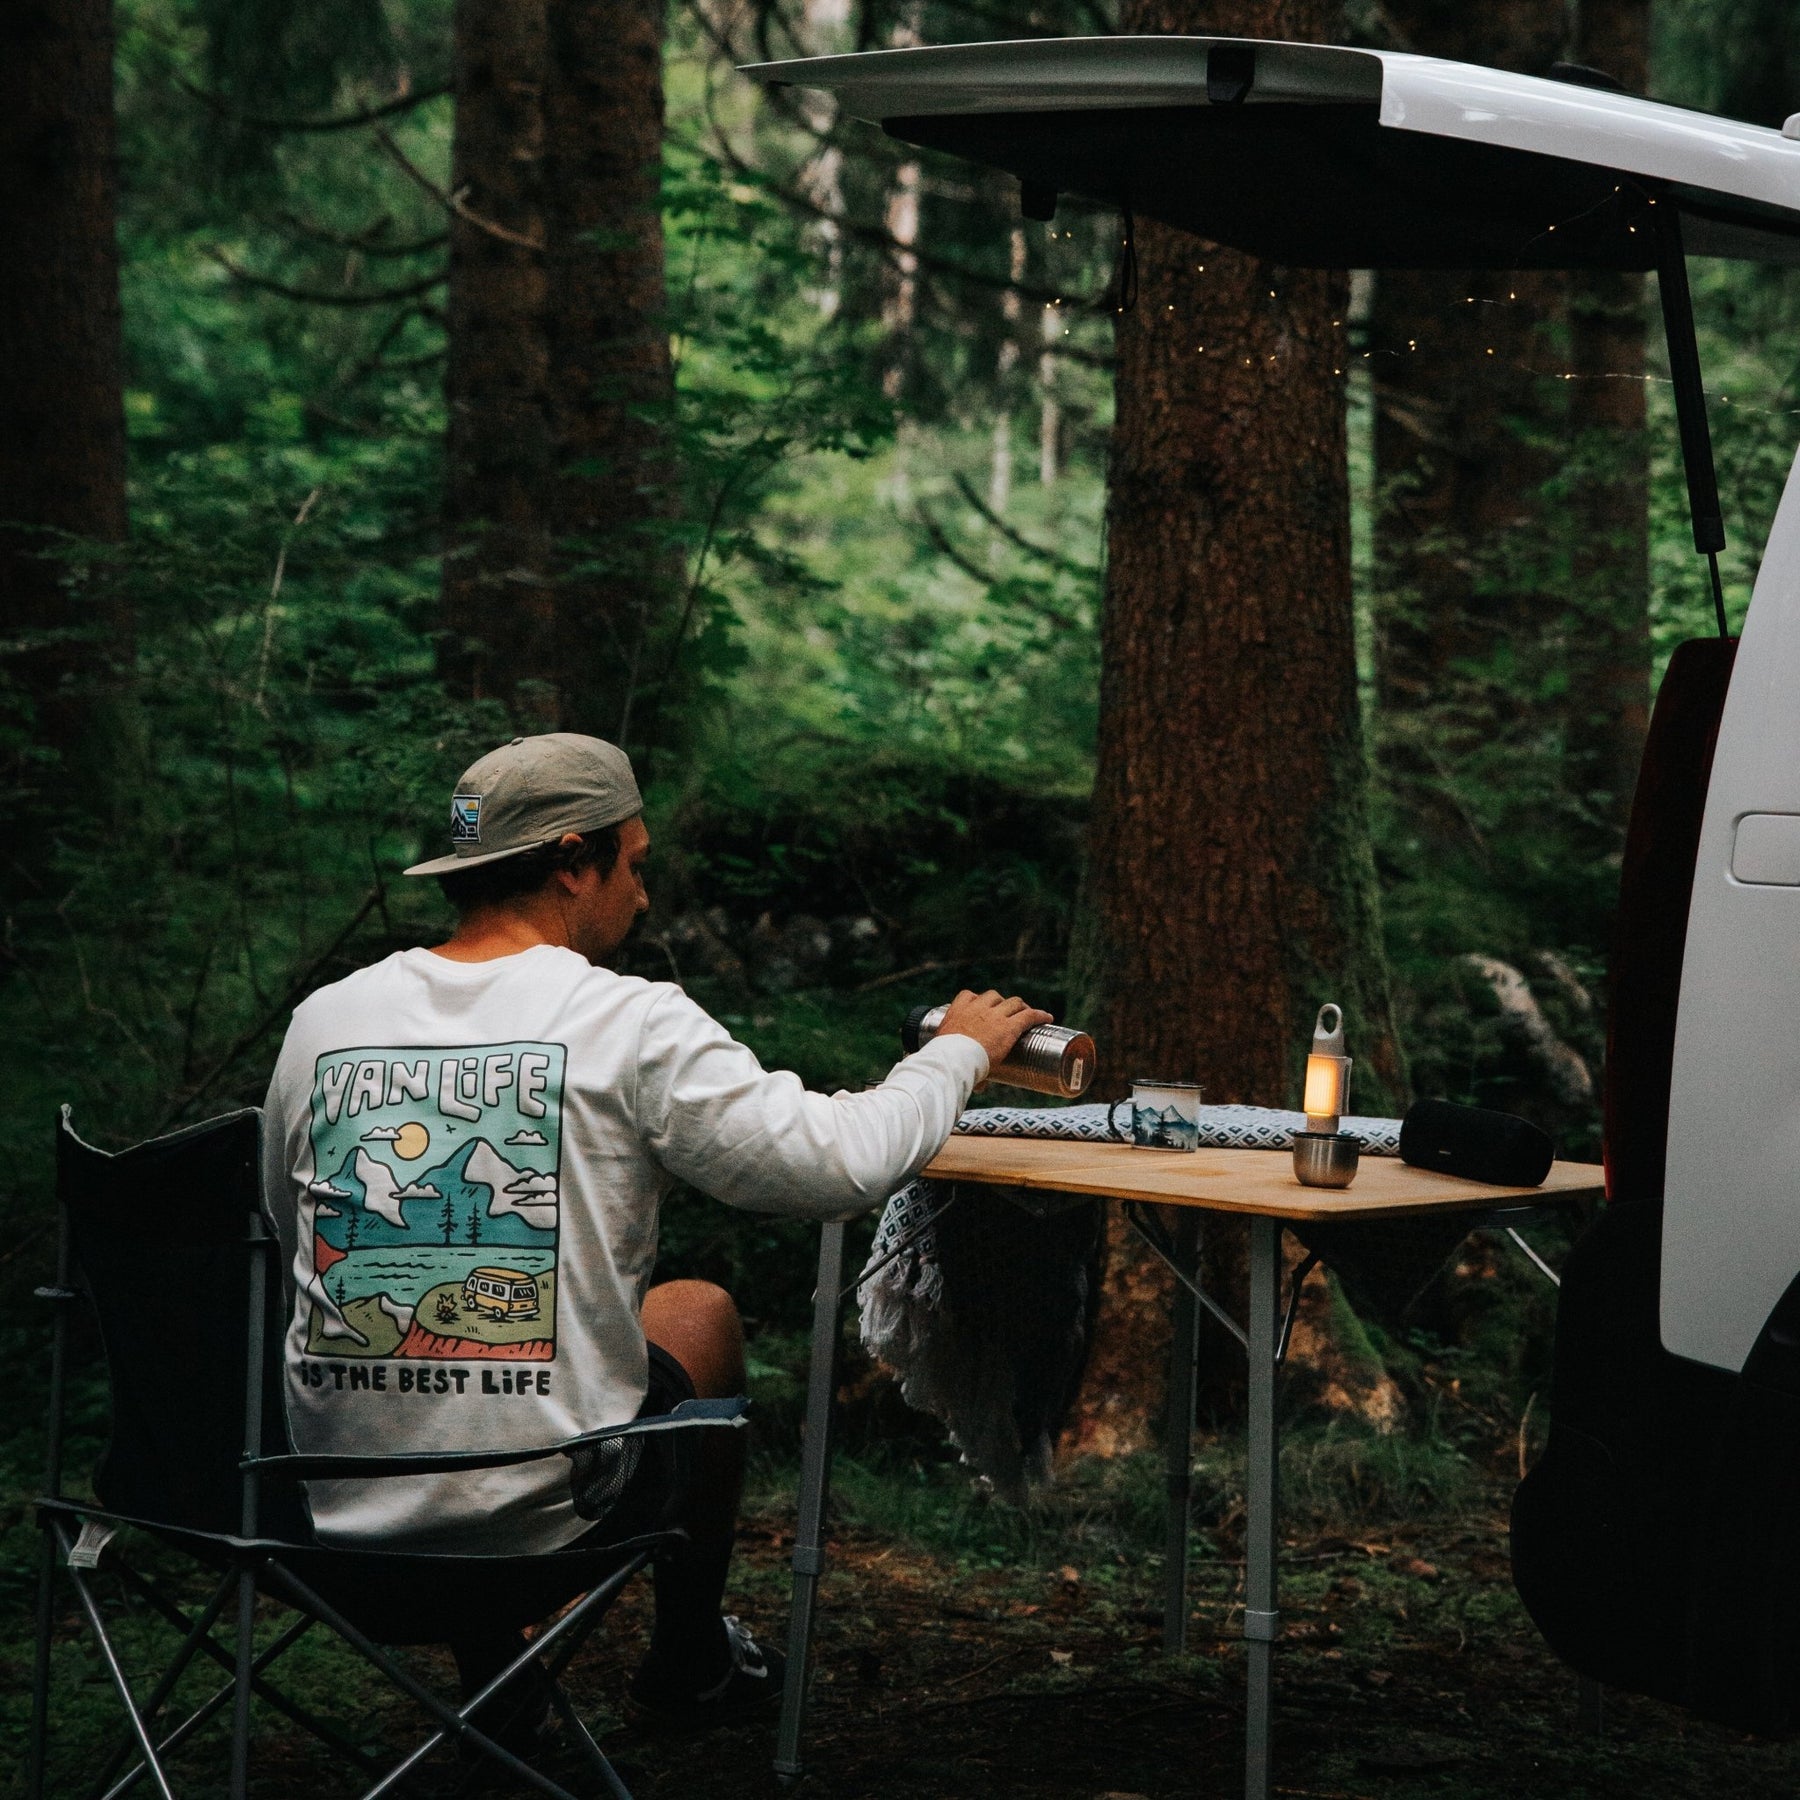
(465, 819)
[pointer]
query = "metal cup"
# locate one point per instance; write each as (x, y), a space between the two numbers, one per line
(1326, 1159)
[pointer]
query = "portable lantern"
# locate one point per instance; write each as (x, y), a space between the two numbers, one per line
(1327, 1072)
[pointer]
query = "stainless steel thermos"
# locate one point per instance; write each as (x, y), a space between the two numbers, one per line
(1049, 1059)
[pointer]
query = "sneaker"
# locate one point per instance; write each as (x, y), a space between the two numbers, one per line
(750, 1683)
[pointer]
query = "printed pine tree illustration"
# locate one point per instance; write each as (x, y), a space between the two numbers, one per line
(475, 1223)
(351, 1222)
(448, 1221)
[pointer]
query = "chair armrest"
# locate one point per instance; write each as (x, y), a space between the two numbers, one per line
(689, 1415)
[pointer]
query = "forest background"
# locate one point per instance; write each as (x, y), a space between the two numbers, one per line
(820, 530)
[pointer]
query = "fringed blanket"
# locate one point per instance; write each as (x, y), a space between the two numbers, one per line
(986, 1311)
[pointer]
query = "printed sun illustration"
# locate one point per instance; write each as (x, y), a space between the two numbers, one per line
(414, 1140)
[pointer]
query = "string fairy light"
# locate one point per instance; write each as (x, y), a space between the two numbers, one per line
(1512, 296)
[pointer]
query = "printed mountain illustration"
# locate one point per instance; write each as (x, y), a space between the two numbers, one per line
(1166, 1129)
(475, 1197)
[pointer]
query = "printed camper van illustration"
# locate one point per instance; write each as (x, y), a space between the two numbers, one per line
(433, 1202)
(501, 1293)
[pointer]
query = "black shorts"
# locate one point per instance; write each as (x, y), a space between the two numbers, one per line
(637, 1485)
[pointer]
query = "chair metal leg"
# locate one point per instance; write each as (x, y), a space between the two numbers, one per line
(196, 1630)
(40, 1669)
(243, 1677)
(1178, 1439)
(815, 1481)
(1262, 1622)
(216, 1702)
(139, 1729)
(62, 1296)
(453, 1721)
(597, 1758)
(265, 1691)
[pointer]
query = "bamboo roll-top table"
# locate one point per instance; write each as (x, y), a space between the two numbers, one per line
(1257, 1185)
(1258, 1182)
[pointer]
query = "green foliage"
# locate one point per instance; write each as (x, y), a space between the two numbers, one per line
(881, 685)
(1745, 320)
(1104, 1514)
(1743, 64)
(879, 691)
(1341, 1476)
(845, 692)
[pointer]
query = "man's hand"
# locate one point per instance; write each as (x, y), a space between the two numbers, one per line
(996, 1024)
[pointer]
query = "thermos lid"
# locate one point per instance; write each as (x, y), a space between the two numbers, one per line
(909, 1028)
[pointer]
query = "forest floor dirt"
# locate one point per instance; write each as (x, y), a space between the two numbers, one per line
(1407, 1669)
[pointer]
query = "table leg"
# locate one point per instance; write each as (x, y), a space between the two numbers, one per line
(1262, 1622)
(815, 1481)
(1178, 1439)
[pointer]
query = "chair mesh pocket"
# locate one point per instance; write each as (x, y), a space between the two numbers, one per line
(600, 1473)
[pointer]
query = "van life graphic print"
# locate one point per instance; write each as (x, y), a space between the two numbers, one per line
(434, 1202)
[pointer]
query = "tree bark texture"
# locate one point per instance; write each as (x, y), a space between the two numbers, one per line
(611, 395)
(1229, 887)
(62, 425)
(1484, 566)
(1609, 686)
(561, 563)
(498, 594)
(1465, 441)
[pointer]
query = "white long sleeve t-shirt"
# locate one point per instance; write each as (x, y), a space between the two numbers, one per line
(465, 1163)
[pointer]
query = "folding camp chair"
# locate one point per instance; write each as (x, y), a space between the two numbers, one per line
(170, 1243)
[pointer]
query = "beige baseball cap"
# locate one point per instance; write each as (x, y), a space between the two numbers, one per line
(529, 793)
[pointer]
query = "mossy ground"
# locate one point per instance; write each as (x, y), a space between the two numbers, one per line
(964, 1649)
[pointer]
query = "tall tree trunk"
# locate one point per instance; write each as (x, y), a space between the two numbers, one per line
(562, 564)
(499, 600)
(1012, 311)
(821, 177)
(1230, 888)
(1466, 435)
(900, 306)
(62, 428)
(612, 388)
(1609, 652)
(1470, 429)
(1050, 330)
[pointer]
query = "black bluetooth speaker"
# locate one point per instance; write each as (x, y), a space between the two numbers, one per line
(1476, 1144)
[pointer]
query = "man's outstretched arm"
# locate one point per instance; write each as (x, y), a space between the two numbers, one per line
(757, 1138)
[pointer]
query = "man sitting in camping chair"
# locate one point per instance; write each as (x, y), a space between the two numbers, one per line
(466, 1150)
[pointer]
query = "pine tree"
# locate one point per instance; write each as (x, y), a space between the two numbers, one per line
(1230, 888)
(62, 420)
(561, 484)
(1512, 524)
